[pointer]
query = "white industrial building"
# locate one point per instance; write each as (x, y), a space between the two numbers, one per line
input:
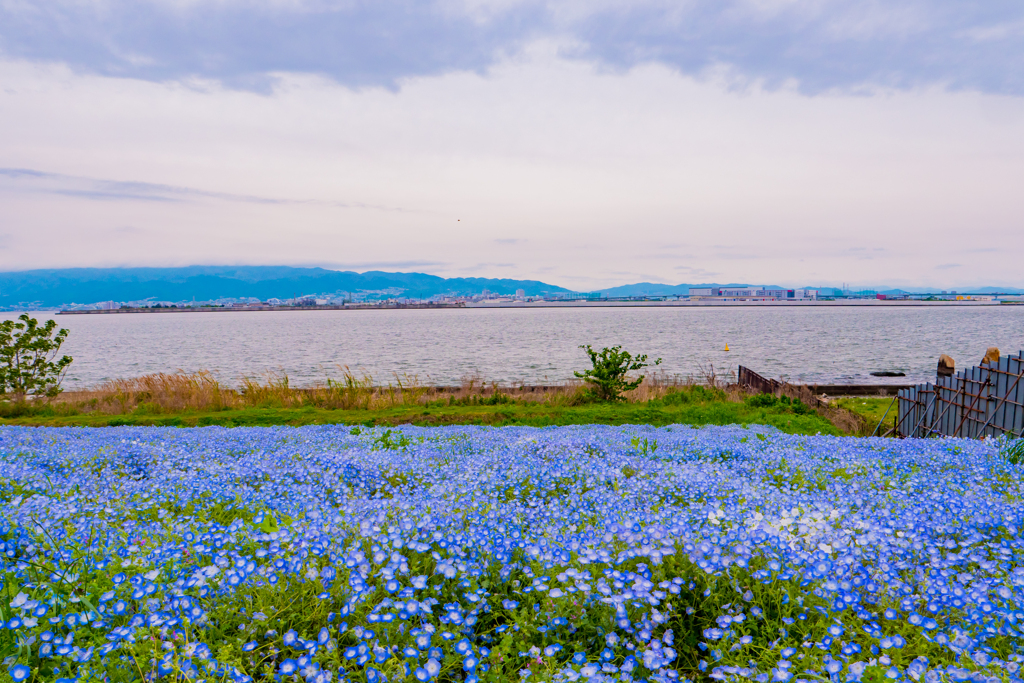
(752, 293)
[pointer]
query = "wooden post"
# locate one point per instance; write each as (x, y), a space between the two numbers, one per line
(947, 366)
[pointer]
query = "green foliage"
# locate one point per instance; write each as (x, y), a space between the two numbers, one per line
(27, 357)
(391, 441)
(762, 401)
(608, 378)
(1013, 451)
(536, 415)
(643, 446)
(778, 402)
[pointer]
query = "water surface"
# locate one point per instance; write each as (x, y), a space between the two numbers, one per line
(536, 346)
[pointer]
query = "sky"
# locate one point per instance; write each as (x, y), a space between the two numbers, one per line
(586, 144)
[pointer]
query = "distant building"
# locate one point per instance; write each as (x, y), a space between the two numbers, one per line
(520, 294)
(753, 293)
(108, 305)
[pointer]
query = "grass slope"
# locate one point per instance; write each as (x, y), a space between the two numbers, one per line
(871, 409)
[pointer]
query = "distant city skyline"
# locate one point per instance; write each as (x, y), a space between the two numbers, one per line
(278, 284)
(585, 144)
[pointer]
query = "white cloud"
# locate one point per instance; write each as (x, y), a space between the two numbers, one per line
(592, 171)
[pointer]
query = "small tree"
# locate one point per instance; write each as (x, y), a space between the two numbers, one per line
(608, 378)
(27, 353)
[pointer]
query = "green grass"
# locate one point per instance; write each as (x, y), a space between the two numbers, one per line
(871, 409)
(712, 412)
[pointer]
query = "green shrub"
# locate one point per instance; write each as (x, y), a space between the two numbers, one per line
(676, 397)
(611, 367)
(28, 357)
(762, 401)
(1013, 451)
(704, 394)
(783, 403)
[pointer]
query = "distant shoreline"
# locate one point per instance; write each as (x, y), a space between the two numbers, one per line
(254, 308)
(536, 304)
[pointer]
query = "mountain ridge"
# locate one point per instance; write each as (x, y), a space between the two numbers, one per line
(56, 287)
(48, 288)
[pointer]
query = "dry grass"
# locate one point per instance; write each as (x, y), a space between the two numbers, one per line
(161, 392)
(200, 391)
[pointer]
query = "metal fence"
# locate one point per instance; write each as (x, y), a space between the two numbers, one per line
(987, 400)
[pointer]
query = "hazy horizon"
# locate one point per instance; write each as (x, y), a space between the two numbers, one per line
(210, 283)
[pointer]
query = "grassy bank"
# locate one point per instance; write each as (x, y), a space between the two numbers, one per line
(198, 400)
(538, 415)
(198, 404)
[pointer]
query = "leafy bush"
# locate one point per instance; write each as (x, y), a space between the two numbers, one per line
(608, 378)
(27, 357)
(762, 401)
(778, 402)
(1013, 451)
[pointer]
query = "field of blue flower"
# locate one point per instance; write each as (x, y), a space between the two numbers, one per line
(478, 554)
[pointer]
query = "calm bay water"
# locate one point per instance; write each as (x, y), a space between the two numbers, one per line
(537, 346)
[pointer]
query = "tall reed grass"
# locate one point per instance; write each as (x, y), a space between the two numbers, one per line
(201, 391)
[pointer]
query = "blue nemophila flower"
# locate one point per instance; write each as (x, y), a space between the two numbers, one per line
(781, 675)
(433, 667)
(20, 672)
(550, 519)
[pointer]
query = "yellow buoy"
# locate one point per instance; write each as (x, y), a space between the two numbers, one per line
(726, 347)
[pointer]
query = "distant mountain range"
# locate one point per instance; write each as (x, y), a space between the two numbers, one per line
(48, 288)
(61, 287)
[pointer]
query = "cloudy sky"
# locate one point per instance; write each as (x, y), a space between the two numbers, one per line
(583, 143)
